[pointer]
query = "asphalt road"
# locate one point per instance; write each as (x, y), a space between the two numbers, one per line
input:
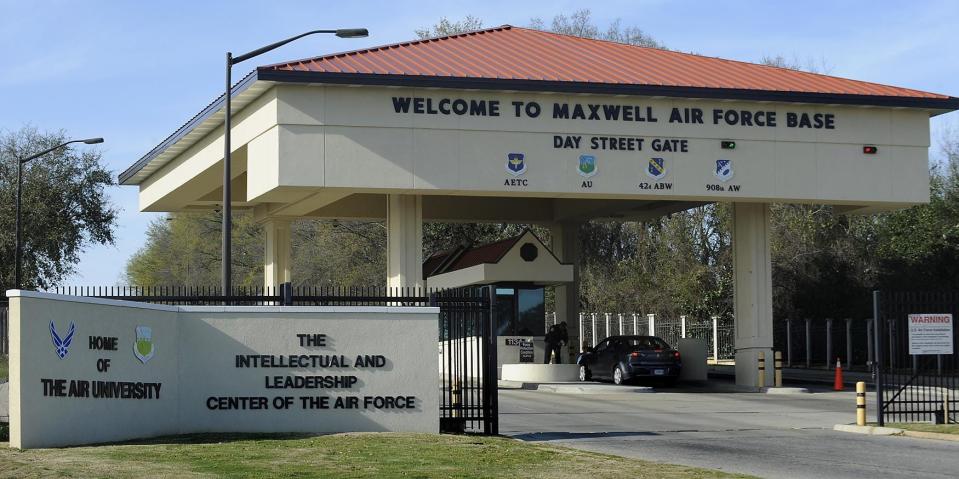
(759, 434)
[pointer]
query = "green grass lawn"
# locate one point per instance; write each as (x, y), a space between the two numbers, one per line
(4, 368)
(925, 427)
(332, 456)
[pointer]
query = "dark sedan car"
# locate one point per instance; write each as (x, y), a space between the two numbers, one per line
(625, 358)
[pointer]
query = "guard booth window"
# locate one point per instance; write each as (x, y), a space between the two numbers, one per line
(520, 311)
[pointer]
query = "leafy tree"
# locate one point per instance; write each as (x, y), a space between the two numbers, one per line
(184, 249)
(64, 210)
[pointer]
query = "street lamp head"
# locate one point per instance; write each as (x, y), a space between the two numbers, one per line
(93, 141)
(352, 33)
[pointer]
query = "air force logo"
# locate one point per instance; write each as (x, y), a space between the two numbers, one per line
(656, 169)
(724, 170)
(515, 163)
(143, 347)
(587, 165)
(62, 346)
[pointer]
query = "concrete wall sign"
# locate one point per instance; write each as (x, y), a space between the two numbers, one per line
(84, 370)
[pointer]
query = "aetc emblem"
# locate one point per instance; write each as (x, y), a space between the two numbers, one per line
(143, 347)
(515, 163)
(587, 165)
(62, 345)
(724, 170)
(656, 169)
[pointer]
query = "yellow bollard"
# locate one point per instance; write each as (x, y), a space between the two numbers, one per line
(456, 399)
(778, 378)
(860, 403)
(762, 369)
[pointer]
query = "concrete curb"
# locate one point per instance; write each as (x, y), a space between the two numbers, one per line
(893, 431)
(931, 435)
(785, 390)
(870, 430)
(592, 389)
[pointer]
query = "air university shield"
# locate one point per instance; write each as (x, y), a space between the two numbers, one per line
(587, 165)
(724, 170)
(656, 169)
(515, 163)
(143, 347)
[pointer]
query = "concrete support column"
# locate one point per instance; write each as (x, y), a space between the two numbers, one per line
(753, 301)
(566, 247)
(277, 253)
(404, 241)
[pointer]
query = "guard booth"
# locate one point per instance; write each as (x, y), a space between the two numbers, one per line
(519, 269)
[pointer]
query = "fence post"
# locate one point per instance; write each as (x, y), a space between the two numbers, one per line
(829, 351)
(581, 342)
(652, 323)
(716, 339)
(635, 324)
(880, 393)
(621, 331)
(870, 336)
(607, 315)
(789, 342)
(682, 327)
(592, 317)
(848, 342)
(809, 343)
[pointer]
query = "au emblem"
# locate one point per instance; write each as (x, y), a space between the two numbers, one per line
(656, 169)
(587, 165)
(62, 345)
(515, 163)
(143, 347)
(724, 170)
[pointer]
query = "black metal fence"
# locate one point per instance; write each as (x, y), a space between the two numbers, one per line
(466, 340)
(914, 387)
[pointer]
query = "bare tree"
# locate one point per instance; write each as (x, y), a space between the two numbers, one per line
(445, 27)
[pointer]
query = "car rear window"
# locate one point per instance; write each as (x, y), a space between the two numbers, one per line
(646, 343)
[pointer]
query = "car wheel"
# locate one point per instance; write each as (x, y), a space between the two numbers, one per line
(584, 374)
(618, 376)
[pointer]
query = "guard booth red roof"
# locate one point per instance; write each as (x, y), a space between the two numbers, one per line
(515, 58)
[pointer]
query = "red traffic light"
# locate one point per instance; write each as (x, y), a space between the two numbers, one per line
(870, 150)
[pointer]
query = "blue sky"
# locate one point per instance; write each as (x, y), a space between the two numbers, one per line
(133, 72)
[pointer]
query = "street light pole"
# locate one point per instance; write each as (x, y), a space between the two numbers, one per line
(18, 269)
(226, 254)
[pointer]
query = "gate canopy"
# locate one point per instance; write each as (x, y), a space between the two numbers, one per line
(519, 125)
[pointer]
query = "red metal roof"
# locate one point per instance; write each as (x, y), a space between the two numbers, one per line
(468, 255)
(510, 53)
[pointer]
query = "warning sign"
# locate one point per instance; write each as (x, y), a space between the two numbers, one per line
(930, 334)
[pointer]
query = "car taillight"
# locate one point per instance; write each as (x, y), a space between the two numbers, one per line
(676, 354)
(634, 354)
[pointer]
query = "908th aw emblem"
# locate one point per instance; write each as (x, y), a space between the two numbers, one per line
(724, 170)
(143, 347)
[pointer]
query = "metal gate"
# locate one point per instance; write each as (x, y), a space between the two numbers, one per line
(909, 387)
(467, 349)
